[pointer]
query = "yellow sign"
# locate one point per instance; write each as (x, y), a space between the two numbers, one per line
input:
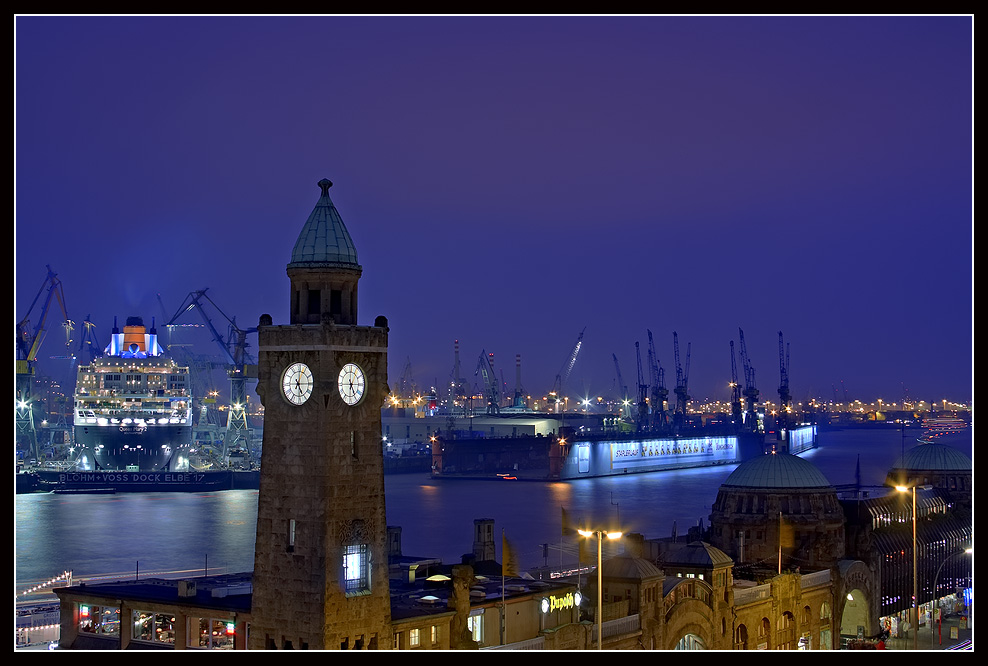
(561, 603)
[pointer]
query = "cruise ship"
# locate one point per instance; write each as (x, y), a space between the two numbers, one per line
(133, 406)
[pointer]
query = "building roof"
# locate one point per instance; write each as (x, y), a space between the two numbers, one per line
(234, 593)
(226, 592)
(628, 567)
(777, 470)
(934, 457)
(696, 554)
(324, 240)
(430, 597)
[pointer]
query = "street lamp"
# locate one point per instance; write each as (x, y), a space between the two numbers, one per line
(600, 577)
(915, 608)
(966, 551)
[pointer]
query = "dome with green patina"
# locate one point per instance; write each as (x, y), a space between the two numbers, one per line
(777, 470)
(696, 555)
(933, 457)
(628, 567)
(324, 240)
(778, 496)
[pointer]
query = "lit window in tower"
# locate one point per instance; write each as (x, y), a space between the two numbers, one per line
(355, 569)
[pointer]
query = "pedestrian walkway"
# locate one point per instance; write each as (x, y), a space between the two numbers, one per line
(941, 638)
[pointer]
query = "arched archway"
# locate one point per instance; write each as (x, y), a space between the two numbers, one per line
(856, 619)
(764, 634)
(741, 637)
(856, 601)
(826, 639)
(786, 638)
(689, 624)
(691, 642)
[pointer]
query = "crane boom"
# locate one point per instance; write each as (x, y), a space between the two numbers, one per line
(29, 340)
(568, 368)
(682, 383)
(642, 392)
(563, 375)
(660, 393)
(679, 369)
(240, 368)
(750, 392)
(485, 368)
(88, 341)
(235, 348)
(623, 389)
(784, 371)
(785, 399)
(735, 387)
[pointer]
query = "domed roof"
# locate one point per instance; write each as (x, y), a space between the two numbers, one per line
(696, 554)
(777, 470)
(628, 567)
(324, 239)
(934, 457)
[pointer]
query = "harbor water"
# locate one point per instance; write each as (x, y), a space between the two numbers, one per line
(145, 534)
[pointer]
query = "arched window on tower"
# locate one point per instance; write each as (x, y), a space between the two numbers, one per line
(741, 637)
(787, 632)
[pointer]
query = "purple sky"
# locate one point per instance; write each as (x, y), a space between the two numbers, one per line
(510, 181)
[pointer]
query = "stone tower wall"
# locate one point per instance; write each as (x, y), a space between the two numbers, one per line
(322, 467)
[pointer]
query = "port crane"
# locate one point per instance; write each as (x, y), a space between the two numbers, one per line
(642, 420)
(660, 394)
(623, 389)
(88, 343)
(485, 368)
(785, 399)
(736, 409)
(240, 367)
(519, 400)
(208, 429)
(750, 392)
(682, 384)
(457, 388)
(28, 341)
(563, 375)
(406, 385)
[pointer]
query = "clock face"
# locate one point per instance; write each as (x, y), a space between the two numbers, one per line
(296, 383)
(351, 383)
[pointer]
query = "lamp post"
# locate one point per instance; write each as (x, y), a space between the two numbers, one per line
(966, 551)
(600, 577)
(915, 608)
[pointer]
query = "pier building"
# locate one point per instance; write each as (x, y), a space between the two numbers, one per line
(329, 574)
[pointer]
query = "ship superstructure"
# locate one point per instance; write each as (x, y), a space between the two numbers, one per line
(133, 405)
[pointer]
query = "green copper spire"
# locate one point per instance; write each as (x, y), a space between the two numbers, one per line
(324, 240)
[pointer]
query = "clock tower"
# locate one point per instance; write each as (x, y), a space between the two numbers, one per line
(320, 556)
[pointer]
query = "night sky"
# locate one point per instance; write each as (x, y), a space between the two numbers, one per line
(510, 181)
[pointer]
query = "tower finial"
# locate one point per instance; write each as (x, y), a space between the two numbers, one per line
(325, 184)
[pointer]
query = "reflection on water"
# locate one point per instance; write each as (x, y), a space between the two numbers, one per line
(146, 532)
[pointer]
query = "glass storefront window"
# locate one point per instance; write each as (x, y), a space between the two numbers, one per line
(154, 627)
(143, 625)
(103, 620)
(211, 634)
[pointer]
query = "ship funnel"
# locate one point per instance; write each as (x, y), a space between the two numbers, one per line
(116, 341)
